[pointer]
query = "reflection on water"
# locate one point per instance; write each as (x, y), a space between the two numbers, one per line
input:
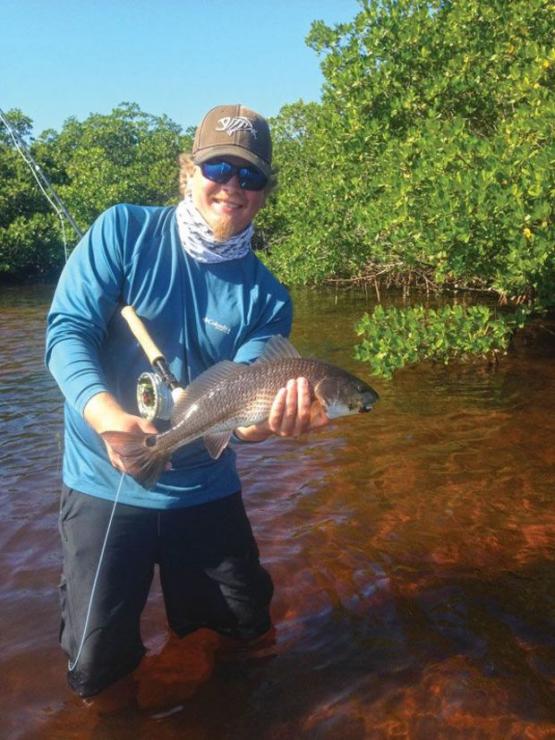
(412, 551)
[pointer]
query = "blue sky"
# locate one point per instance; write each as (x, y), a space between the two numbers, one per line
(64, 58)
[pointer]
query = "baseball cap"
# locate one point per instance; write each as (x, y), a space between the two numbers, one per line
(236, 131)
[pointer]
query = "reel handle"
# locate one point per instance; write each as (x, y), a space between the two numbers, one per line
(139, 331)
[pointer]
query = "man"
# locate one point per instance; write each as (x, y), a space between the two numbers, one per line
(192, 277)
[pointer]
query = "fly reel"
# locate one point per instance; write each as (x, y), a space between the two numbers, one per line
(155, 391)
(154, 398)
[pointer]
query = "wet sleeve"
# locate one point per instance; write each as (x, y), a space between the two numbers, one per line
(86, 297)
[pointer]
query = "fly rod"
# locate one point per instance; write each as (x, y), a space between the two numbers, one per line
(42, 180)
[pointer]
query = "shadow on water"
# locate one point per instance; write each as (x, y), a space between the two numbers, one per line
(423, 665)
(413, 666)
(412, 551)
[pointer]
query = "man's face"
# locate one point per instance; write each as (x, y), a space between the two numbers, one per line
(226, 208)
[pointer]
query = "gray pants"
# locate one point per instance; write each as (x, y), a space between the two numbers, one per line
(209, 570)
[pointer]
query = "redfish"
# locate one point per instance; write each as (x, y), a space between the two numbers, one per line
(230, 395)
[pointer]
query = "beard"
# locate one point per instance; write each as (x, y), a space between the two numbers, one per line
(222, 229)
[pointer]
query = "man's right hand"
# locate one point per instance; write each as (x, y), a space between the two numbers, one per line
(104, 414)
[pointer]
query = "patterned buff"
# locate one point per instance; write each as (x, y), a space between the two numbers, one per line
(198, 239)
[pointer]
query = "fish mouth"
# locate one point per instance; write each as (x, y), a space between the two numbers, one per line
(368, 401)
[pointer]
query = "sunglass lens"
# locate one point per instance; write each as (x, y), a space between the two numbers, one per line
(219, 171)
(252, 179)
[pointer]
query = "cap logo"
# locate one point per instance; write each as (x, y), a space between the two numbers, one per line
(231, 124)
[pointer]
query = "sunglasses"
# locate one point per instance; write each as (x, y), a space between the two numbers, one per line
(220, 171)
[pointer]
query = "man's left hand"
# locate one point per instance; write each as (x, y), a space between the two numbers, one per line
(293, 412)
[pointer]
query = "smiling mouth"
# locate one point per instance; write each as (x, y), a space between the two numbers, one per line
(228, 204)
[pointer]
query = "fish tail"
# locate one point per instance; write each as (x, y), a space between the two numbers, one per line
(142, 460)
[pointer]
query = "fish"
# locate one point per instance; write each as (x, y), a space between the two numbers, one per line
(230, 395)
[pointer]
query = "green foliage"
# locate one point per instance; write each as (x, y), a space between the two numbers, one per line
(29, 236)
(430, 157)
(431, 154)
(304, 221)
(393, 338)
(30, 245)
(126, 155)
(20, 123)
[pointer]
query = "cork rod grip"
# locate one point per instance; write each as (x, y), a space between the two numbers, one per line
(141, 334)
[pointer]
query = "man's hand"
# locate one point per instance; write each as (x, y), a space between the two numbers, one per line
(104, 414)
(293, 413)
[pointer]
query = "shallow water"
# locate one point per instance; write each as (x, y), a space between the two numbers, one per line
(412, 551)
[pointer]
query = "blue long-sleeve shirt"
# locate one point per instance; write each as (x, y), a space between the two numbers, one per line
(197, 313)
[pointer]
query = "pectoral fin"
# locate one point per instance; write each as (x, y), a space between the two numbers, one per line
(216, 443)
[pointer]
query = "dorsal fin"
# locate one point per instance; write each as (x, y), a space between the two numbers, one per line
(276, 348)
(203, 384)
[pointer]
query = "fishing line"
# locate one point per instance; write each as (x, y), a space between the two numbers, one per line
(70, 665)
(159, 362)
(33, 167)
(44, 184)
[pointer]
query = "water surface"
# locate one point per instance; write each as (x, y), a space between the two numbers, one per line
(412, 551)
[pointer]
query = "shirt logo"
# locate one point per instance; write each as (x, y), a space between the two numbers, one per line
(220, 327)
(231, 124)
